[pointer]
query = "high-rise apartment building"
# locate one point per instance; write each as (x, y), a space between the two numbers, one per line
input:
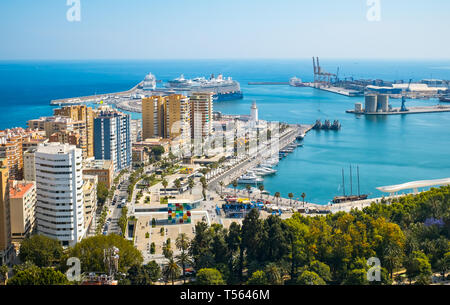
(201, 114)
(6, 248)
(29, 167)
(90, 201)
(22, 198)
(59, 189)
(112, 137)
(84, 114)
(11, 150)
(13, 142)
(167, 117)
(63, 125)
(178, 118)
(153, 117)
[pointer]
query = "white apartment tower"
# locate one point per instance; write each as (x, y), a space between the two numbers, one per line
(59, 189)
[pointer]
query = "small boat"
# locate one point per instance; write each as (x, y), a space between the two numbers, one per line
(264, 171)
(250, 178)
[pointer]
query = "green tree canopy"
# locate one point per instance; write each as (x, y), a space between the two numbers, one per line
(41, 251)
(35, 275)
(209, 276)
(309, 278)
(258, 278)
(102, 192)
(90, 251)
(143, 275)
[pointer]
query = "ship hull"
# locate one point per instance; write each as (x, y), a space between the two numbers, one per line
(232, 96)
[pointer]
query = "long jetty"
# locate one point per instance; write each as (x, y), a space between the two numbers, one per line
(84, 99)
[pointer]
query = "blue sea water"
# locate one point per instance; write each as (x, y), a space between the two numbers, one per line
(388, 150)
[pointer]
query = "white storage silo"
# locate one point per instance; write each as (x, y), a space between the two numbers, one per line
(371, 103)
(358, 108)
(383, 102)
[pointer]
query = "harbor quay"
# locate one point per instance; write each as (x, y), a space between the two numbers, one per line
(411, 110)
(251, 160)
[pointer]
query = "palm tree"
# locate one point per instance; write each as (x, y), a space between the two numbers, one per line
(165, 184)
(183, 259)
(4, 273)
(248, 187)
(235, 184)
(261, 189)
(172, 271)
(191, 184)
(277, 195)
(182, 243)
(303, 197)
(221, 186)
(273, 274)
(177, 184)
(290, 195)
(204, 186)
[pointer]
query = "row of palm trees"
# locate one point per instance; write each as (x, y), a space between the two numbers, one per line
(261, 189)
(172, 270)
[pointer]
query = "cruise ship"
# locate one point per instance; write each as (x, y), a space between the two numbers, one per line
(224, 89)
(149, 82)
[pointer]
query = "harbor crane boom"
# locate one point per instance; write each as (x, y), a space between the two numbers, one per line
(408, 89)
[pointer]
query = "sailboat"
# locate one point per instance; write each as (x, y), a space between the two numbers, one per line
(351, 197)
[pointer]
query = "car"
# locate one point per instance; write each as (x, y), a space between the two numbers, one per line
(109, 220)
(113, 203)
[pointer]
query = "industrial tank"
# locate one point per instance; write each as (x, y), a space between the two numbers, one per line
(383, 102)
(371, 103)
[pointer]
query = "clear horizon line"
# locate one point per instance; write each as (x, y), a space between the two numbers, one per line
(225, 58)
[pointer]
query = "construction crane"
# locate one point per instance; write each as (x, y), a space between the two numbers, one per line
(408, 89)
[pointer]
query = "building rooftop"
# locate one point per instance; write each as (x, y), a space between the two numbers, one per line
(55, 148)
(97, 164)
(20, 188)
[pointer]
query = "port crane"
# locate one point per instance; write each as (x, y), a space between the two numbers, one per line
(408, 89)
(321, 76)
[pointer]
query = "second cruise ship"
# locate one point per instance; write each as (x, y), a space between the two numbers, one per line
(224, 89)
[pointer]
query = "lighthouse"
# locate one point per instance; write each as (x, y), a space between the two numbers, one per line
(254, 112)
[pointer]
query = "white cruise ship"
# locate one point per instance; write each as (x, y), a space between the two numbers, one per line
(149, 82)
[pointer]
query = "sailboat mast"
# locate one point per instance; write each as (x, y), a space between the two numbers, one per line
(343, 181)
(351, 182)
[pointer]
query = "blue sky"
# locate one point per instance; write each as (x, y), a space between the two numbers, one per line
(187, 29)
